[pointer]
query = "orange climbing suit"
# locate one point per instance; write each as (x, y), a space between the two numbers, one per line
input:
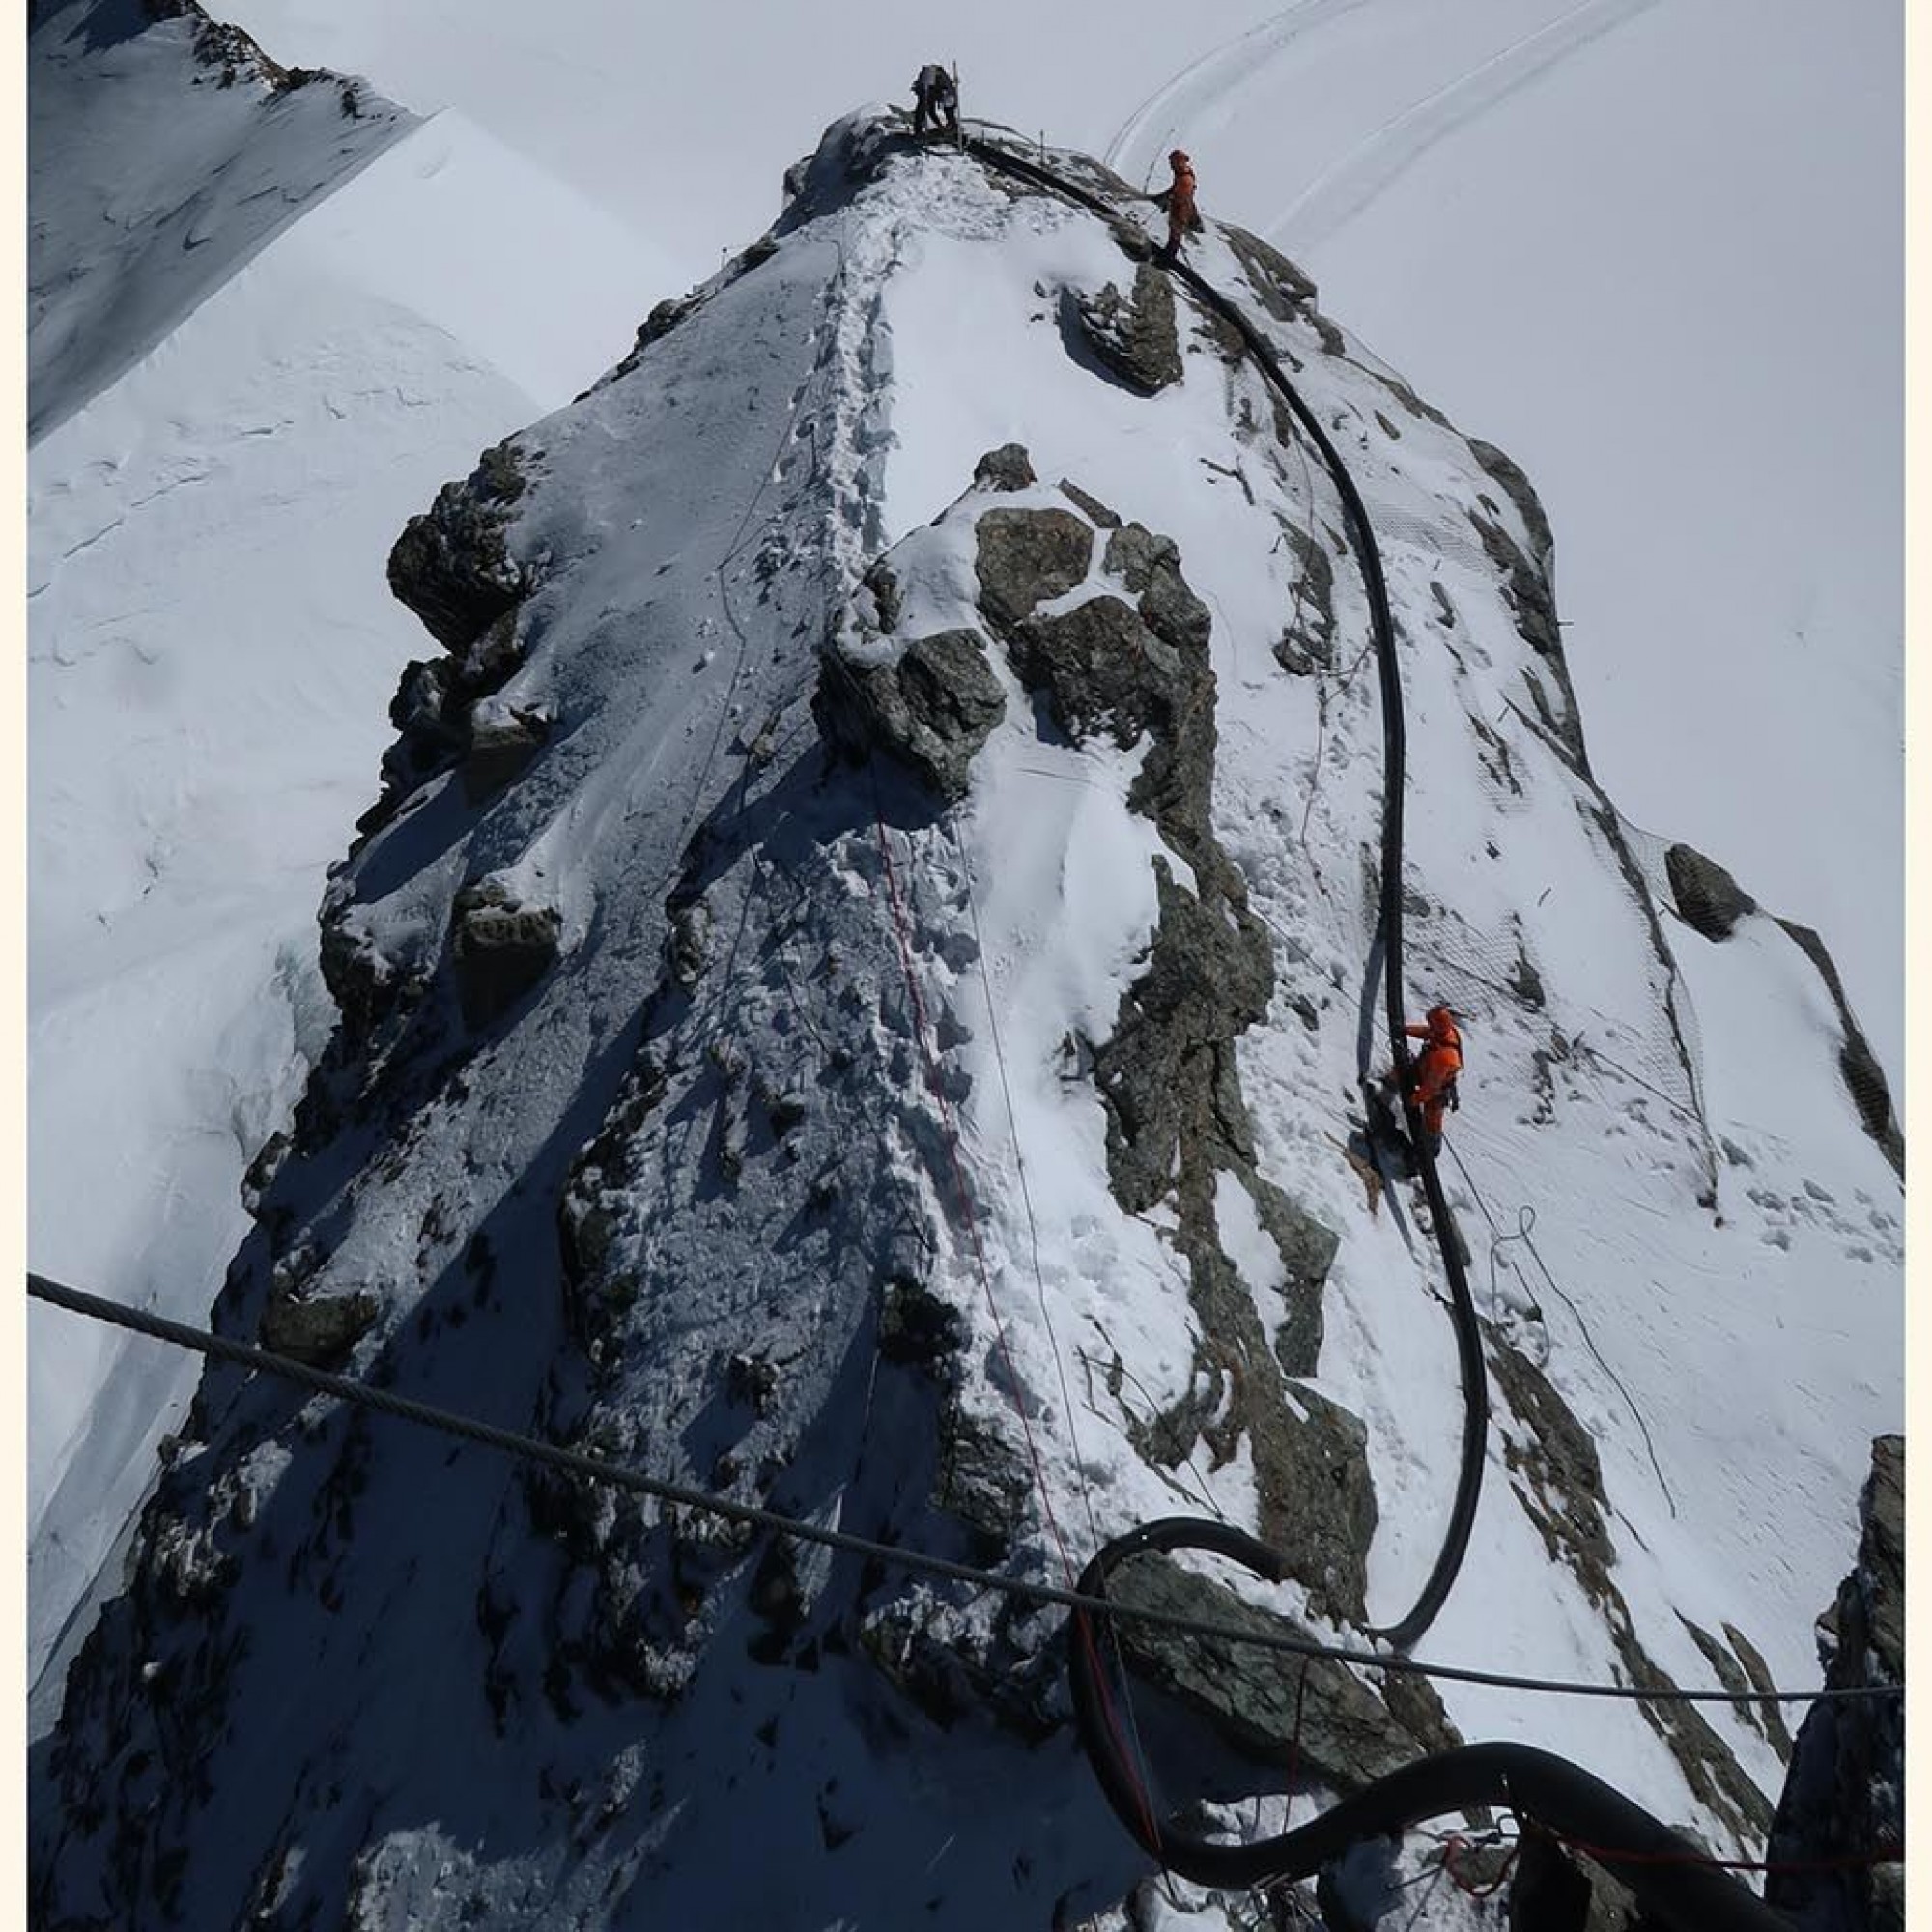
(1182, 217)
(1436, 1067)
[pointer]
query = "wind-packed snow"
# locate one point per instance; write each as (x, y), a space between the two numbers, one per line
(211, 649)
(872, 1075)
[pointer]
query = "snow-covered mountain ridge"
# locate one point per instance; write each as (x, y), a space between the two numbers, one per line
(954, 1171)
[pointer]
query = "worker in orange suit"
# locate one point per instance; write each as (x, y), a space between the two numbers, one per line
(1177, 198)
(1433, 1079)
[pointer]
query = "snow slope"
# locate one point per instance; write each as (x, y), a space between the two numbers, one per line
(186, 196)
(810, 1051)
(211, 644)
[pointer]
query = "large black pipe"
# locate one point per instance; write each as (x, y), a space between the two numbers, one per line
(1405, 1630)
(1669, 1876)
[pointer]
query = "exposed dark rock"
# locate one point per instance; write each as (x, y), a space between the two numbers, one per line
(1533, 602)
(1844, 1797)
(1134, 336)
(1324, 1502)
(1525, 981)
(1096, 511)
(953, 1671)
(1008, 468)
(317, 1329)
(362, 981)
(1167, 1077)
(1279, 286)
(1528, 505)
(451, 565)
(1709, 901)
(1740, 1681)
(1307, 1250)
(1027, 556)
(932, 707)
(915, 1326)
(754, 1381)
(501, 950)
(1863, 1077)
(690, 940)
(1208, 979)
(1149, 566)
(1767, 1718)
(1308, 644)
(1105, 673)
(263, 1168)
(981, 1479)
(1344, 1736)
(228, 50)
(501, 747)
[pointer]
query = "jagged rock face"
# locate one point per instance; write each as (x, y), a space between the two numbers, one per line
(452, 566)
(1026, 557)
(1134, 336)
(1709, 900)
(320, 1331)
(502, 949)
(1277, 282)
(932, 707)
(1266, 1704)
(1846, 1796)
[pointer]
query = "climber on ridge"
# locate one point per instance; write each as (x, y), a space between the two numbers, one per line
(935, 99)
(1431, 1088)
(1177, 198)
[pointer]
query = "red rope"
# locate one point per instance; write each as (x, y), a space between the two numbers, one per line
(949, 1134)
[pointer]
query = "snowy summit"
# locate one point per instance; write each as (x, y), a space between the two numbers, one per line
(862, 994)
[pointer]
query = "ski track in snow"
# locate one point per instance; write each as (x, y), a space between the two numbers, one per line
(1352, 181)
(1184, 101)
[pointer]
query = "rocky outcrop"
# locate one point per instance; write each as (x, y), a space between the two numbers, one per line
(451, 565)
(1279, 286)
(1307, 645)
(1844, 1798)
(931, 707)
(501, 949)
(453, 568)
(1139, 673)
(1026, 557)
(319, 1329)
(1266, 1705)
(1708, 900)
(1858, 1065)
(1008, 467)
(503, 741)
(1133, 336)
(231, 53)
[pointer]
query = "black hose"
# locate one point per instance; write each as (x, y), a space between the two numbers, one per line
(1405, 1630)
(1669, 1876)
